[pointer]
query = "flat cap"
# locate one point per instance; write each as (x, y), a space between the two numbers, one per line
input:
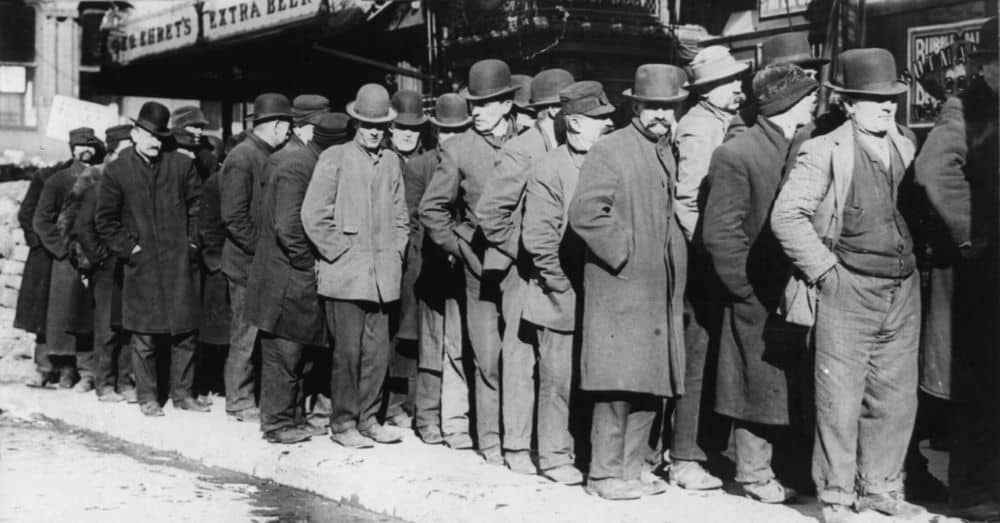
(587, 98)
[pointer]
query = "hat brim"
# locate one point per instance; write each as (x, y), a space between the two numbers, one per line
(598, 112)
(367, 119)
(735, 70)
(410, 121)
(464, 93)
(451, 125)
(544, 103)
(309, 118)
(682, 95)
(260, 118)
(148, 127)
(896, 90)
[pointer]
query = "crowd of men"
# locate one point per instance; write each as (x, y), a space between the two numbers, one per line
(516, 269)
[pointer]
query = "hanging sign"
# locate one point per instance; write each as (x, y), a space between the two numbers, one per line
(774, 8)
(226, 18)
(940, 51)
(158, 32)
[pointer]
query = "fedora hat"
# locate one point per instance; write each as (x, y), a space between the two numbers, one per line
(522, 96)
(271, 106)
(869, 71)
(188, 116)
(789, 48)
(409, 106)
(546, 85)
(987, 39)
(153, 117)
(714, 63)
(306, 108)
(451, 111)
(488, 79)
(658, 83)
(372, 105)
(586, 98)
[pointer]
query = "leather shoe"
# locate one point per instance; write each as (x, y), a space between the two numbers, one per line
(614, 489)
(247, 414)
(352, 439)
(891, 504)
(130, 395)
(190, 403)
(86, 384)
(312, 430)
(564, 475)
(768, 491)
(401, 420)
(151, 409)
(381, 434)
(690, 475)
(41, 380)
(108, 395)
(651, 487)
(287, 436)
(520, 461)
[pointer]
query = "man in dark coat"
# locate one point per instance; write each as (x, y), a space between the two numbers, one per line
(758, 351)
(68, 320)
(447, 210)
(33, 298)
(633, 282)
(147, 214)
(282, 301)
(958, 167)
(101, 269)
(441, 400)
(241, 179)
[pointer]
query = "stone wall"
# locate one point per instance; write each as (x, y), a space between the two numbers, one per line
(16, 346)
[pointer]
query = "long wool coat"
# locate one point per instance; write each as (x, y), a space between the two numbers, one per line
(241, 180)
(216, 313)
(281, 288)
(758, 351)
(155, 206)
(634, 275)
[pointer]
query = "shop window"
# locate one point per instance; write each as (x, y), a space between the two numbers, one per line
(17, 96)
(17, 31)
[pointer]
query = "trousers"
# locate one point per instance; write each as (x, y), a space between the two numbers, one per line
(282, 367)
(483, 323)
(144, 348)
(239, 368)
(442, 397)
(622, 434)
(114, 361)
(360, 362)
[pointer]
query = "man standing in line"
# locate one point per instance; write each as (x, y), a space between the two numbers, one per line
(557, 254)
(633, 281)
(837, 217)
(240, 180)
(447, 210)
(354, 212)
(759, 354)
(147, 214)
(442, 395)
(717, 86)
(69, 318)
(499, 211)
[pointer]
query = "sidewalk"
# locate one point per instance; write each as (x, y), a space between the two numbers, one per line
(411, 480)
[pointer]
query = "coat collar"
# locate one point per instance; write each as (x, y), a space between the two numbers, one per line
(259, 143)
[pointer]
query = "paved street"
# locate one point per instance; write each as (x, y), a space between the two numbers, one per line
(52, 472)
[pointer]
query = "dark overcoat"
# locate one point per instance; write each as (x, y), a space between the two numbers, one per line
(634, 275)
(240, 181)
(281, 289)
(33, 297)
(216, 313)
(758, 351)
(94, 255)
(154, 205)
(71, 312)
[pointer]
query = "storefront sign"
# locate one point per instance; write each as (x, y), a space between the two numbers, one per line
(226, 18)
(930, 49)
(69, 113)
(773, 8)
(162, 31)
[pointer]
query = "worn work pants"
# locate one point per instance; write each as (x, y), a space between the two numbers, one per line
(867, 334)
(282, 367)
(555, 372)
(518, 367)
(442, 398)
(144, 348)
(360, 361)
(114, 360)
(239, 369)
(483, 323)
(621, 434)
(754, 449)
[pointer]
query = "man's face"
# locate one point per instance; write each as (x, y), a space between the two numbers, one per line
(146, 143)
(370, 135)
(196, 131)
(727, 96)
(874, 114)
(280, 132)
(404, 139)
(84, 153)
(586, 130)
(488, 115)
(656, 117)
(305, 132)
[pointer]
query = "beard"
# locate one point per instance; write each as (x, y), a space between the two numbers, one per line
(85, 156)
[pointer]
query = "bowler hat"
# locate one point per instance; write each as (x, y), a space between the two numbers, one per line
(870, 71)
(271, 106)
(451, 111)
(658, 83)
(306, 108)
(714, 63)
(153, 117)
(522, 97)
(545, 86)
(488, 79)
(83, 136)
(586, 98)
(790, 48)
(409, 106)
(987, 38)
(372, 105)
(189, 115)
